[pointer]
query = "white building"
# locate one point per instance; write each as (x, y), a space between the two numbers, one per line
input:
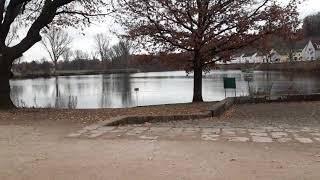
(259, 57)
(237, 59)
(297, 55)
(311, 51)
(276, 57)
(248, 58)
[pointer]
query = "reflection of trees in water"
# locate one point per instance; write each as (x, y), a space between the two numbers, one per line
(15, 92)
(105, 95)
(60, 98)
(260, 84)
(43, 86)
(64, 101)
(116, 87)
(303, 83)
(292, 87)
(126, 95)
(281, 83)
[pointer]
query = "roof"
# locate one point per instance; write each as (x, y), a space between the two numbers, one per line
(237, 55)
(259, 53)
(280, 52)
(315, 41)
(316, 44)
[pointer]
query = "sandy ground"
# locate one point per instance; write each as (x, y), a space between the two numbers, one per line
(38, 149)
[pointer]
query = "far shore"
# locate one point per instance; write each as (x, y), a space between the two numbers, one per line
(301, 66)
(296, 66)
(73, 73)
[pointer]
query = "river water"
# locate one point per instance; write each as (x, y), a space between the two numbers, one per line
(120, 90)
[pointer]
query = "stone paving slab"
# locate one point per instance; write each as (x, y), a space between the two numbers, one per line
(238, 139)
(259, 139)
(208, 137)
(277, 135)
(260, 134)
(304, 140)
(284, 140)
(303, 135)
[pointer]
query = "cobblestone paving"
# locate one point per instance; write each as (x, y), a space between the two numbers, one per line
(304, 135)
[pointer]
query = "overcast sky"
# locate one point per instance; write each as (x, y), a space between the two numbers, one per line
(83, 40)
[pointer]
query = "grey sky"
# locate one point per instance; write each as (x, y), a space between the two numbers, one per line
(83, 40)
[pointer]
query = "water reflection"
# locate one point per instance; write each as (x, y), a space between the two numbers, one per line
(117, 90)
(61, 101)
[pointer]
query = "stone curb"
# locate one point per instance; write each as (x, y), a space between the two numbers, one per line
(126, 120)
(219, 108)
(153, 119)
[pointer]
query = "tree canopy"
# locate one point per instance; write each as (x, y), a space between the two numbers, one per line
(32, 16)
(208, 29)
(311, 25)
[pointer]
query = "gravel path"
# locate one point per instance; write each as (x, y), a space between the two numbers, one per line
(263, 141)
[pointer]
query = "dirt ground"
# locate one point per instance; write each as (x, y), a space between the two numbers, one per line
(36, 147)
(294, 114)
(89, 116)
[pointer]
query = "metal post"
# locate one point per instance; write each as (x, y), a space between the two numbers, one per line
(136, 90)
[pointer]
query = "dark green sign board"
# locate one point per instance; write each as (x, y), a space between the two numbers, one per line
(229, 83)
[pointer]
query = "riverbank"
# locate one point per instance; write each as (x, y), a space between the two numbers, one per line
(299, 66)
(93, 115)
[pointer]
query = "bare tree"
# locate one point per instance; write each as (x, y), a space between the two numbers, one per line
(81, 55)
(56, 42)
(102, 46)
(210, 30)
(32, 16)
(120, 54)
(67, 54)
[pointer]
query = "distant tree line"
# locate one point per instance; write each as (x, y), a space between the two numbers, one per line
(311, 26)
(119, 56)
(83, 61)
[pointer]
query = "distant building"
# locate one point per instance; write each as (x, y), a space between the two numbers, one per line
(260, 57)
(278, 56)
(301, 52)
(237, 58)
(311, 51)
(249, 57)
(297, 55)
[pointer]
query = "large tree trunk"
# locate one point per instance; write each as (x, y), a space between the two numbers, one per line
(5, 75)
(197, 80)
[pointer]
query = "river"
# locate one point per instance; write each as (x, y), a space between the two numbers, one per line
(153, 88)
